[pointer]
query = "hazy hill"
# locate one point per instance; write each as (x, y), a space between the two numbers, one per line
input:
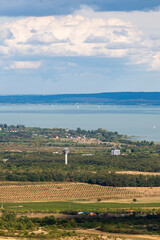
(120, 98)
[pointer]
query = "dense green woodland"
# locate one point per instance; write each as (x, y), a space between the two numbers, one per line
(90, 169)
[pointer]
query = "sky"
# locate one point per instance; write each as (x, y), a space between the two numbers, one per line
(82, 46)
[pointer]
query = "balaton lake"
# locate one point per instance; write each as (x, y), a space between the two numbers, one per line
(140, 121)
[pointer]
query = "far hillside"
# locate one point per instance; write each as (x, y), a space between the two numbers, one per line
(119, 98)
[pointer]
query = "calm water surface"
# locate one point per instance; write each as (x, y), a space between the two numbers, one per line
(140, 121)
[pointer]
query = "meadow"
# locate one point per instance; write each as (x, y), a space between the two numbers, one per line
(72, 206)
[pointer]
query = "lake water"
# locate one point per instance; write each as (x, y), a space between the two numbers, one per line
(140, 121)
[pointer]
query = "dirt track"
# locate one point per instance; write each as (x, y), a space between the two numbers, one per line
(139, 173)
(42, 215)
(92, 234)
(121, 236)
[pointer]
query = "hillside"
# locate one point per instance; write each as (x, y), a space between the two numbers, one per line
(119, 98)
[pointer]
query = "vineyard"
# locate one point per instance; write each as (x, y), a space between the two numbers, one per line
(30, 192)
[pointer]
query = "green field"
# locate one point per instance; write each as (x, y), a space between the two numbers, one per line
(73, 206)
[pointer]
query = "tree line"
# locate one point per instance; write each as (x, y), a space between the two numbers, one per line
(100, 178)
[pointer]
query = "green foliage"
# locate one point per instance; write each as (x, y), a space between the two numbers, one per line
(120, 224)
(97, 168)
(134, 200)
(15, 133)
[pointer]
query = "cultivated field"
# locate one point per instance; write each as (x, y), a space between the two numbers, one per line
(34, 192)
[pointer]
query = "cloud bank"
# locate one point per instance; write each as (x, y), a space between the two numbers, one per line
(25, 65)
(84, 33)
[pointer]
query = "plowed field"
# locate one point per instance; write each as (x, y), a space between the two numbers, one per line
(23, 192)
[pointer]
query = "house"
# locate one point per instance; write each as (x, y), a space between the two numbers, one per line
(85, 213)
(115, 152)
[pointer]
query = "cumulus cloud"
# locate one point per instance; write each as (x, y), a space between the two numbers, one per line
(84, 33)
(45, 39)
(25, 65)
(122, 32)
(96, 39)
(73, 35)
(155, 64)
(5, 34)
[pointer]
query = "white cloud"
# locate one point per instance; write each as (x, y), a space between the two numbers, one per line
(155, 65)
(85, 33)
(96, 39)
(25, 65)
(68, 35)
(72, 64)
(5, 34)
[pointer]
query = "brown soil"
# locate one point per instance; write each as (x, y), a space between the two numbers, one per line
(42, 215)
(119, 236)
(9, 238)
(137, 172)
(92, 234)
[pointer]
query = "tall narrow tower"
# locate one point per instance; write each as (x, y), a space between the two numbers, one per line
(66, 151)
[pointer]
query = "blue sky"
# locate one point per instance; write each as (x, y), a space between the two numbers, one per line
(83, 46)
(54, 7)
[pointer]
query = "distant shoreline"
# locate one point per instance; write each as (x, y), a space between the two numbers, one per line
(108, 98)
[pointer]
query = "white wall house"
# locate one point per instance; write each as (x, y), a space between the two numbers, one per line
(115, 152)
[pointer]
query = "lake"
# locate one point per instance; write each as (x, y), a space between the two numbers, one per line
(140, 121)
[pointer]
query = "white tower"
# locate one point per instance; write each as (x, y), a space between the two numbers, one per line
(66, 151)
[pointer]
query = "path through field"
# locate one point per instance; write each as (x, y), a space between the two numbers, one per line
(90, 234)
(139, 173)
(118, 236)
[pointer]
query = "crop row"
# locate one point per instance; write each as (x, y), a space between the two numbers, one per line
(52, 191)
